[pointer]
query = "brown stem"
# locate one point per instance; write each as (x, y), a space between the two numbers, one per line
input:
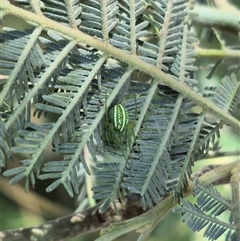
(75, 224)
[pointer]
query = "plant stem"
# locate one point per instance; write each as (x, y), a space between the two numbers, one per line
(214, 18)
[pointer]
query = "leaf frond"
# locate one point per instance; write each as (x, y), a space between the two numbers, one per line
(210, 204)
(226, 95)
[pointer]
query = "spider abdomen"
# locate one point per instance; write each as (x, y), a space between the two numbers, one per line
(118, 116)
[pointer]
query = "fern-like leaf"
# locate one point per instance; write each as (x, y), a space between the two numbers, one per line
(64, 12)
(226, 95)
(21, 57)
(200, 215)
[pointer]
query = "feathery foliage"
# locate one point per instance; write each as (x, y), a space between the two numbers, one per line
(209, 205)
(71, 81)
(51, 75)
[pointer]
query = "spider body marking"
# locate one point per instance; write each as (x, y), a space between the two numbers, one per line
(118, 116)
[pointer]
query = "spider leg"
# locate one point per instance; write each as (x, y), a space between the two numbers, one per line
(119, 138)
(132, 128)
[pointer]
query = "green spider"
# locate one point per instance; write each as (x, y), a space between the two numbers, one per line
(118, 123)
(118, 130)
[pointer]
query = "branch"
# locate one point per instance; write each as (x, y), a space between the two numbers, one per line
(214, 18)
(222, 53)
(217, 154)
(76, 224)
